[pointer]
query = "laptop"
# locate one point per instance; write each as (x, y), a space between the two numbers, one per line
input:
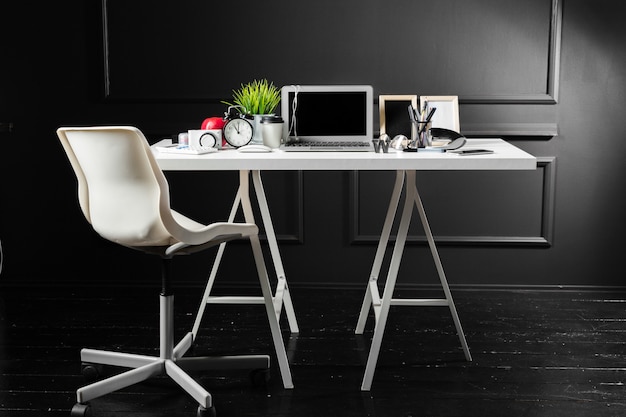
(322, 118)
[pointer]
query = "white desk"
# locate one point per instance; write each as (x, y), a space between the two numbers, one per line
(505, 157)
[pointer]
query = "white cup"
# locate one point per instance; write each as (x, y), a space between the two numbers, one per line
(272, 128)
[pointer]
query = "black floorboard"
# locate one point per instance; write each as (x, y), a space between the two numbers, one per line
(536, 353)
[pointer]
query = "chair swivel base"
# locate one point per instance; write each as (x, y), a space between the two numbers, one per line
(169, 363)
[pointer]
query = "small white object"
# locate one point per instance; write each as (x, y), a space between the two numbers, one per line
(183, 138)
(185, 149)
(204, 138)
(256, 147)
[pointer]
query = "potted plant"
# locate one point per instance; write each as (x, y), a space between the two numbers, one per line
(256, 97)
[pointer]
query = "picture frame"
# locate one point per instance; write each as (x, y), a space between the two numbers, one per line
(393, 113)
(447, 114)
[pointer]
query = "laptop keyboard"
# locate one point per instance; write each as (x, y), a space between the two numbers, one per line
(329, 144)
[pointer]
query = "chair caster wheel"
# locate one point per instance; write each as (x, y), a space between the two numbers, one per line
(260, 377)
(80, 410)
(206, 412)
(91, 371)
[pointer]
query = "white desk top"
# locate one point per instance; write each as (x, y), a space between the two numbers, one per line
(505, 157)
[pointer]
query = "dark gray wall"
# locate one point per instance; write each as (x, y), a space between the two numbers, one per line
(168, 65)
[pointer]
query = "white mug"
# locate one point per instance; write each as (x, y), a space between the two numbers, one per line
(272, 128)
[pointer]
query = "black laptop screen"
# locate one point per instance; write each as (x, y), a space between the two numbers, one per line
(329, 113)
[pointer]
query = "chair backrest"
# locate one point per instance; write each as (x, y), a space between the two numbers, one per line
(121, 190)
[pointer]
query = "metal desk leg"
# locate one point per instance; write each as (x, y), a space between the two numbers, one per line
(371, 298)
(442, 275)
(282, 294)
(390, 284)
(216, 264)
(269, 299)
(282, 289)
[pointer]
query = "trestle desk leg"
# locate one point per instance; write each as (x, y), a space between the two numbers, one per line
(411, 197)
(214, 269)
(370, 299)
(279, 344)
(283, 296)
(390, 284)
(440, 271)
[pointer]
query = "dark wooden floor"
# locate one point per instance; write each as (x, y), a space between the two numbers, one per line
(549, 353)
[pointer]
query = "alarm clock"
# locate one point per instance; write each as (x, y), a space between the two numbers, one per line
(238, 131)
(205, 138)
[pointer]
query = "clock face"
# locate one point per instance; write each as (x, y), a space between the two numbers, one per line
(238, 132)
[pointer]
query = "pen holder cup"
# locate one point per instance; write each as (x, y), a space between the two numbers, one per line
(421, 136)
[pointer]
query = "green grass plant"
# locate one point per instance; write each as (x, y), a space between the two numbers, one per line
(256, 97)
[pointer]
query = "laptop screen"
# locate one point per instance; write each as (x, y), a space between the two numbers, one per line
(327, 112)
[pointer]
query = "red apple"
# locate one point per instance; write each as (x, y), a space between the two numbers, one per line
(212, 123)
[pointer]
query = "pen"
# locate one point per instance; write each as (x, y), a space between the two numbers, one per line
(412, 115)
(430, 114)
(425, 122)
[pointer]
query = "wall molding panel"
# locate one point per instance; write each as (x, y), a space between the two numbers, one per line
(148, 64)
(543, 239)
(551, 95)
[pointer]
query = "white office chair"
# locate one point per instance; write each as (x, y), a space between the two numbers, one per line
(125, 197)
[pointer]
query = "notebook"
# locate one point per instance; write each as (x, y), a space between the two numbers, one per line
(327, 118)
